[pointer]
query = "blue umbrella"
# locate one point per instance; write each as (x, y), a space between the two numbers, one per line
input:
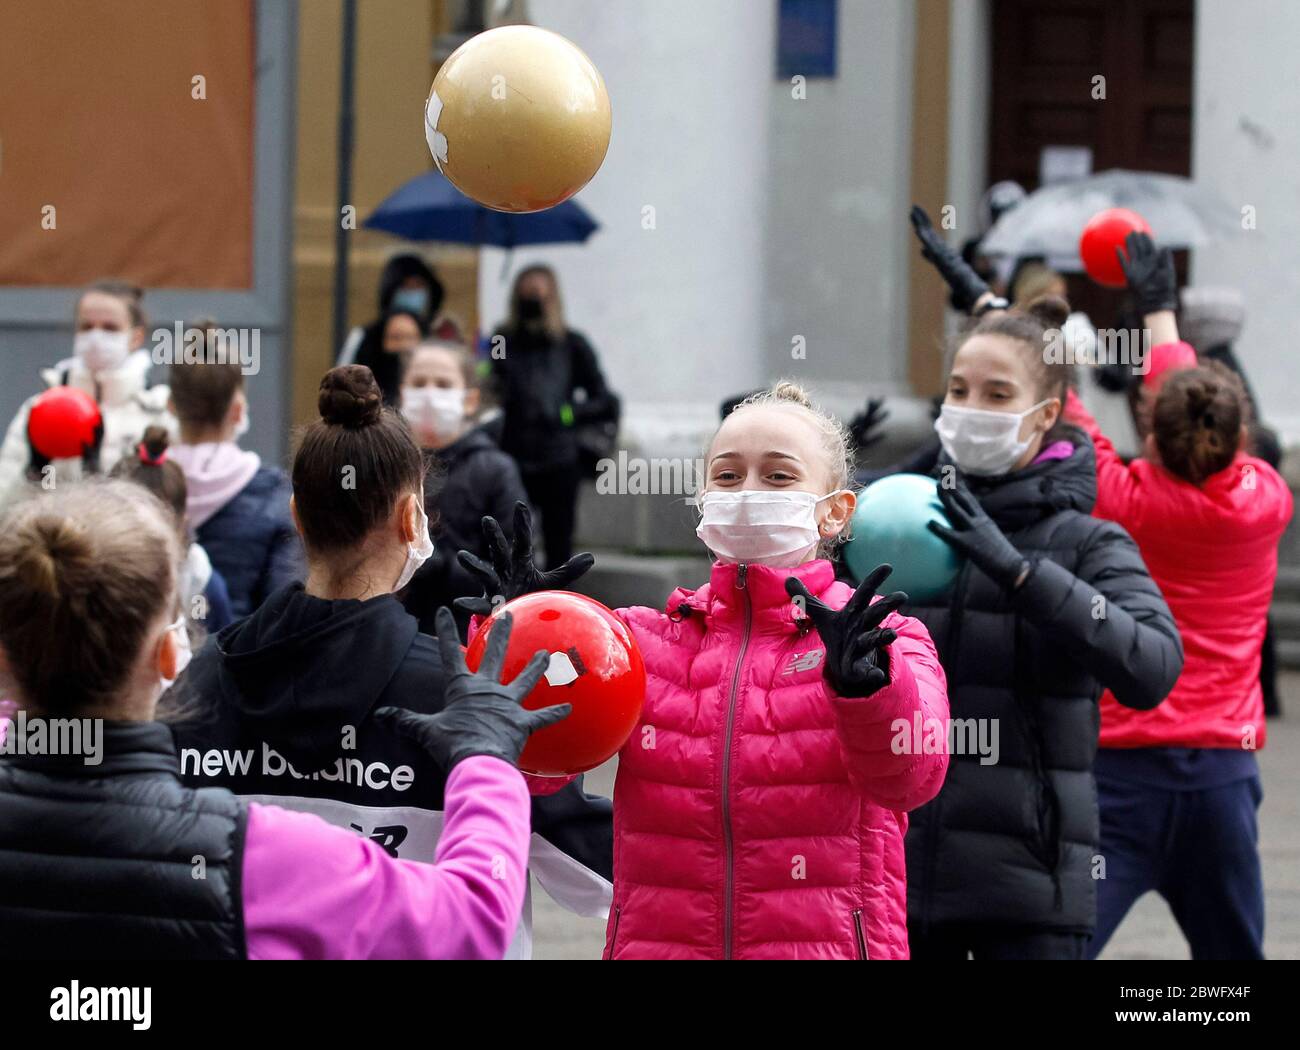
(430, 208)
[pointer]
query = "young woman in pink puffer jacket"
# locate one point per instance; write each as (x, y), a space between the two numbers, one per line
(761, 803)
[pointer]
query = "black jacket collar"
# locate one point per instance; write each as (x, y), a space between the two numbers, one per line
(1041, 490)
(128, 747)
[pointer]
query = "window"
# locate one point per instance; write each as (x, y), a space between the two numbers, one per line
(805, 38)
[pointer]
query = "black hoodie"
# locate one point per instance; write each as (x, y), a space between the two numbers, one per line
(281, 704)
(365, 346)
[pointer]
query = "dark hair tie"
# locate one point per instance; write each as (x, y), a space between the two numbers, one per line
(142, 450)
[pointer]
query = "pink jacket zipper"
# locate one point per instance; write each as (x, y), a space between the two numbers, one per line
(726, 767)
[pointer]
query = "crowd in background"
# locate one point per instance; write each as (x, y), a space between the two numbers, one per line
(1127, 736)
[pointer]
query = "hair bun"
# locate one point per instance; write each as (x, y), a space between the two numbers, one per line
(350, 397)
(1050, 310)
(1200, 396)
(55, 548)
(153, 445)
(786, 390)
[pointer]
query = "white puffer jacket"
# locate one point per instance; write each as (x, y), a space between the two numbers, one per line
(127, 405)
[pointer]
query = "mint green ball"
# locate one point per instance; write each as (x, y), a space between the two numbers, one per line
(888, 527)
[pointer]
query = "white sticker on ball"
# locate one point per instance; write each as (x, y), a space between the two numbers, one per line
(560, 671)
(436, 139)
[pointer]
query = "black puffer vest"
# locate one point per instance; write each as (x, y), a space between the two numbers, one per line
(118, 860)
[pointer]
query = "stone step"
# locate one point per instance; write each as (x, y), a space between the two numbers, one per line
(1288, 653)
(619, 580)
(1288, 583)
(1286, 619)
(1288, 548)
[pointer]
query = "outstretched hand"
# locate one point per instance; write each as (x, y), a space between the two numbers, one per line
(857, 657)
(512, 572)
(967, 286)
(1149, 273)
(866, 428)
(480, 715)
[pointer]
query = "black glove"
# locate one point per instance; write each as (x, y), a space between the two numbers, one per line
(977, 536)
(480, 716)
(1113, 376)
(90, 453)
(857, 662)
(512, 571)
(967, 286)
(36, 462)
(1150, 274)
(871, 419)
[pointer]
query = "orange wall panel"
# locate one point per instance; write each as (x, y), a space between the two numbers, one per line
(98, 120)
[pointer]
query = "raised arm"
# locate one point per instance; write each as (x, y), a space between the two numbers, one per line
(970, 292)
(1150, 276)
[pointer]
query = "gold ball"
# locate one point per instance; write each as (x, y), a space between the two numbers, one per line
(518, 119)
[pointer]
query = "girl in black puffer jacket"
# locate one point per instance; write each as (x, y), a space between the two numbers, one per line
(470, 478)
(1050, 606)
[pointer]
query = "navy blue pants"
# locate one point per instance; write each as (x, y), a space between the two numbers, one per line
(1198, 850)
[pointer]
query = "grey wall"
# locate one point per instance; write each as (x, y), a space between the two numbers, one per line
(1247, 148)
(36, 323)
(837, 238)
(675, 311)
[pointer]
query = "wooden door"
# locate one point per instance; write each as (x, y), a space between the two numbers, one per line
(1046, 54)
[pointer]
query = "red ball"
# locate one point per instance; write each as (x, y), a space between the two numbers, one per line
(62, 422)
(1105, 233)
(595, 666)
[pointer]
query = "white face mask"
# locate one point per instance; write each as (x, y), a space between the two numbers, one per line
(183, 652)
(980, 442)
(241, 428)
(417, 553)
(761, 526)
(433, 408)
(101, 351)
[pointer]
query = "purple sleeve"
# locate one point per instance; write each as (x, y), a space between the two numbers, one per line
(314, 891)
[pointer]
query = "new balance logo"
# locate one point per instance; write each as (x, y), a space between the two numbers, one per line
(388, 838)
(805, 661)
